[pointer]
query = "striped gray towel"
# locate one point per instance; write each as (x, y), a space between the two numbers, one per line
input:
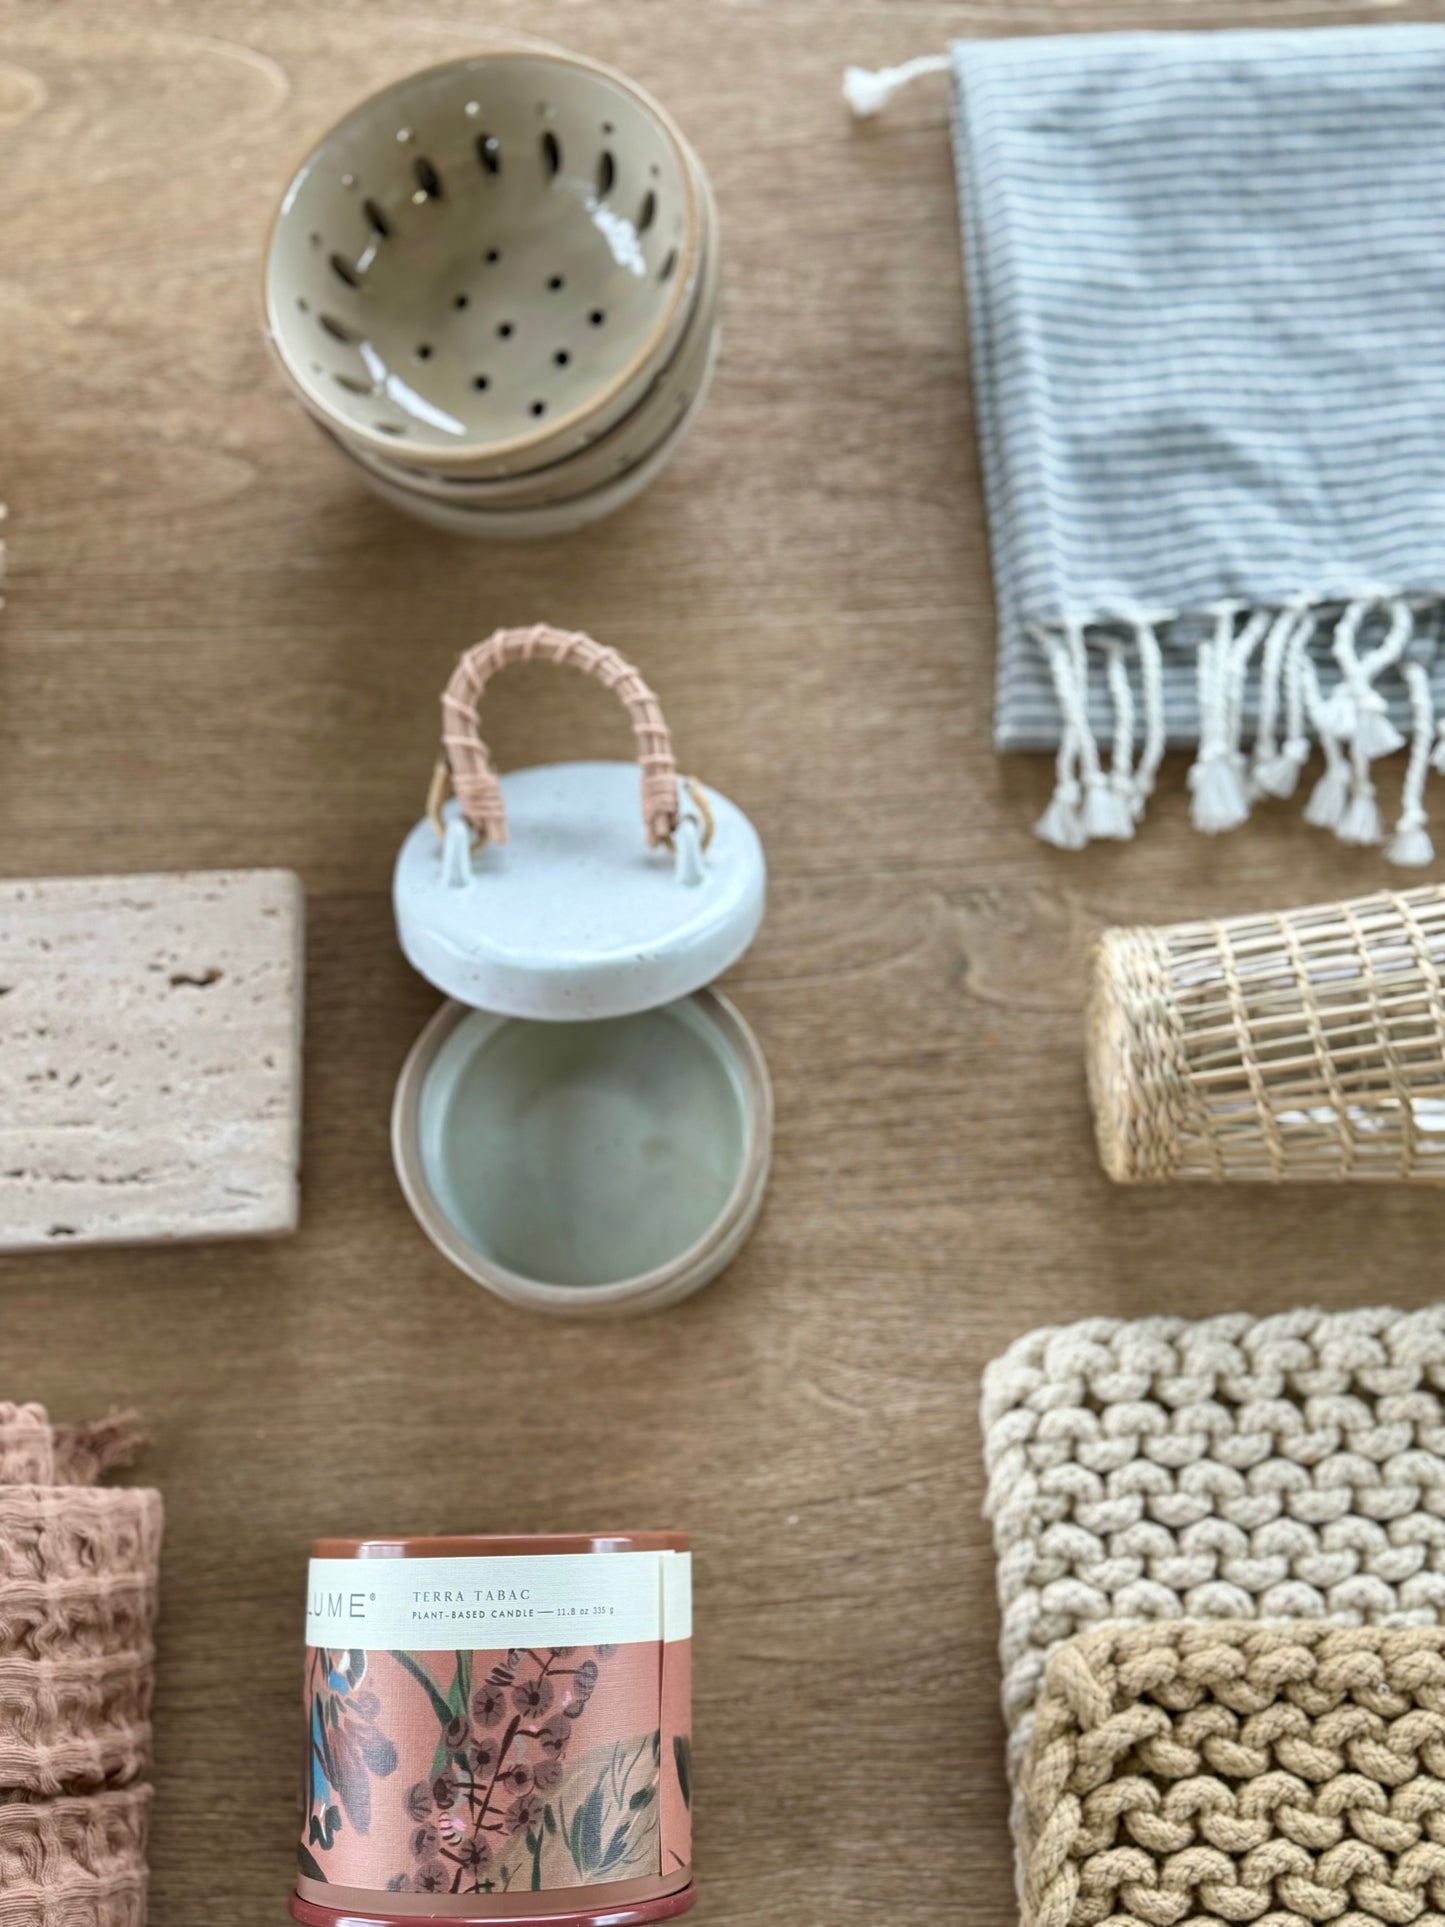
(1207, 288)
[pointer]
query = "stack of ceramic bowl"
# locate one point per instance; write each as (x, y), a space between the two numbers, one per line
(495, 286)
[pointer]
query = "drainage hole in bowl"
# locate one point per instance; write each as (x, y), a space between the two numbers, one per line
(647, 214)
(380, 224)
(669, 266)
(492, 256)
(561, 357)
(504, 329)
(336, 329)
(556, 281)
(461, 301)
(481, 383)
(551, 154)
(344, 271)
(352, 385)
(303, 304)
(423, 351)
(387, 428)
(489, 153)
(428, 182)
(606, 173)
(539, 408)
(597, 317)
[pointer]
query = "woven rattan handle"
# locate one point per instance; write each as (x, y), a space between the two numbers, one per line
(467, 761)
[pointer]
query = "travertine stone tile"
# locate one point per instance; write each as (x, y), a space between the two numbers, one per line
(150, 1057)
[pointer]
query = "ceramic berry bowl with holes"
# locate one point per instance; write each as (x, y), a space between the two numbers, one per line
(627, 456)
(585, 1127)
(491, 270)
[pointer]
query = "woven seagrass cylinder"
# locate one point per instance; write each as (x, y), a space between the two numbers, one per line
(1300, 1045)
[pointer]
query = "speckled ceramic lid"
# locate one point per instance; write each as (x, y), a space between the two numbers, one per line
(574, 916)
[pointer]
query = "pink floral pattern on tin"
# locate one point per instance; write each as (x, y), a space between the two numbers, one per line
(498, 1771)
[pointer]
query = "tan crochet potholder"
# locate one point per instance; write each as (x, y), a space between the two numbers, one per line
(1234, 1467)
(1237, 1772)
(78, 1581)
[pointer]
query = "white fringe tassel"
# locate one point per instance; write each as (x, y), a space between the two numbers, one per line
(1274, 770)
(1331, 794)
(1217, 779)
(1357, 712)
(1349, 721)
(868, 91)
(1410, 846)
(1151, 674)
(1086, 803)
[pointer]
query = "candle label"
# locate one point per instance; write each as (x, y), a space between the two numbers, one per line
(442, 1762)
(441, 1604)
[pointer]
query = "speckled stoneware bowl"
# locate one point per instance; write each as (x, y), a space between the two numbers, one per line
(491, 267)
(649, 428)
(529, 520)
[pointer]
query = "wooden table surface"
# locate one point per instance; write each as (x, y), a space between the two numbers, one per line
(217, 651)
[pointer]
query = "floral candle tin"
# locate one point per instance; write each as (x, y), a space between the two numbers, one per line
(497, 1730)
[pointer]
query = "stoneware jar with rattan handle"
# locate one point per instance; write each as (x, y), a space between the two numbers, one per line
(585, 1126)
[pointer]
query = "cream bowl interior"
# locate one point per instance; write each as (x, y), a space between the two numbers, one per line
(672, 391)
(481, 255)
(586, 1166)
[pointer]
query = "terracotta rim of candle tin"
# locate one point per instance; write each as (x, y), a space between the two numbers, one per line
(515, 1545)
(629, 1914)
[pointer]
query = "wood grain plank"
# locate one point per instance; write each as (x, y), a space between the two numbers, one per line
(218, 652)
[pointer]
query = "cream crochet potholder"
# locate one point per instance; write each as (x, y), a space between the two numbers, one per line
(1230, 1468)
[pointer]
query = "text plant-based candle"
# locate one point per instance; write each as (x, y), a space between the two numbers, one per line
(497, 1730)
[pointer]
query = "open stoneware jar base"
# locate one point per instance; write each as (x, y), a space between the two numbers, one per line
(617, 1164)
(585, 1126)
